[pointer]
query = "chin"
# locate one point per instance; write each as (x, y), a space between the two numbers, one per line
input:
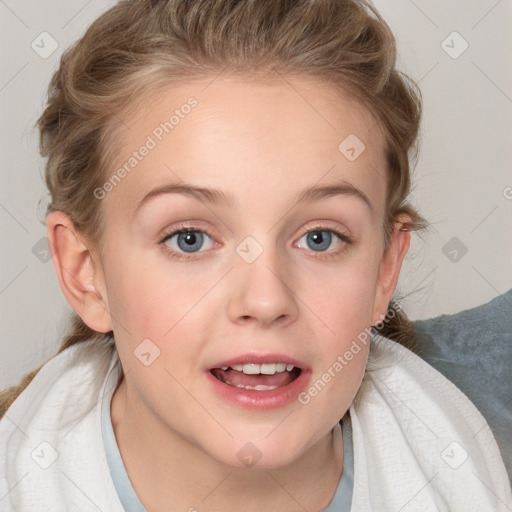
(258, 454)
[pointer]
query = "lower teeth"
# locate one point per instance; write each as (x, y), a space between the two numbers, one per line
(259, 387)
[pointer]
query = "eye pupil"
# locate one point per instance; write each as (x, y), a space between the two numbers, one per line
(320, 238)
(192, 241)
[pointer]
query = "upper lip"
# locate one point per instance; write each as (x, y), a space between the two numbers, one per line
(256, 358)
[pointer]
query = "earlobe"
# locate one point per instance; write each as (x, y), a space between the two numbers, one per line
(390, 267)
(80, 280)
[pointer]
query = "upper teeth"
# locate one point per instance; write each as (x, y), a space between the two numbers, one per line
(266, 369)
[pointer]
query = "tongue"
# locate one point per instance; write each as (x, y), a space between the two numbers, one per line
(236, 378)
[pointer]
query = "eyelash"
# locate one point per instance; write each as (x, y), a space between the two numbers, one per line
(185, 228)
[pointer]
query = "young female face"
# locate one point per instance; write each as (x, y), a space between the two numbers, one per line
(248, 284)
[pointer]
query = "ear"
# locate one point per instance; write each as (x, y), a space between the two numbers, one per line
(390, 267)
(80, 276)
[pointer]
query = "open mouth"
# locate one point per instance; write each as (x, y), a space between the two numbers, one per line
(259, 377)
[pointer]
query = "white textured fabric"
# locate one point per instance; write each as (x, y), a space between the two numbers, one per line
(60, 408)
(419, 443)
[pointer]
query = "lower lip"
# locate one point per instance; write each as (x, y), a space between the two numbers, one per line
(262, 400)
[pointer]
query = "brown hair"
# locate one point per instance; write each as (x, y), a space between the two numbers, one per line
(138, 46)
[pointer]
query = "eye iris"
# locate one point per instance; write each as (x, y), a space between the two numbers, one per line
(322, 239)
(192, 241)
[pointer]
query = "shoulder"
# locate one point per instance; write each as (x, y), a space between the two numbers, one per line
(400, 375)
(55, 423)
(411, 424)
(69, 375)
(473, 349)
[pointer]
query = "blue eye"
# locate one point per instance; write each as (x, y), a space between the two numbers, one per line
(319, 239)
(184, 242)
(188, 240)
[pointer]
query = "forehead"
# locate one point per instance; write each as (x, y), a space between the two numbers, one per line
(232, 134)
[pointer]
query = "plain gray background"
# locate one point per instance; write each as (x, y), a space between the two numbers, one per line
(462, 182)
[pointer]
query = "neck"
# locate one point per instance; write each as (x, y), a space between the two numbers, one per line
(178, 473)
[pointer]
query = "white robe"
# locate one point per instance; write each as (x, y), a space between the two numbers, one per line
(419, 443)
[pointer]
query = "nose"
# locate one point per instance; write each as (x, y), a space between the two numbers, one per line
(262, 292)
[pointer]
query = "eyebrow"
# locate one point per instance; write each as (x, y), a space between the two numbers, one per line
(219, 197)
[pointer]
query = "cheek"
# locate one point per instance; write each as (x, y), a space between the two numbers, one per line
(334, 387)
(348, 315)
(149, 298)
(168, 307)
(342, 297)
(343, 302)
